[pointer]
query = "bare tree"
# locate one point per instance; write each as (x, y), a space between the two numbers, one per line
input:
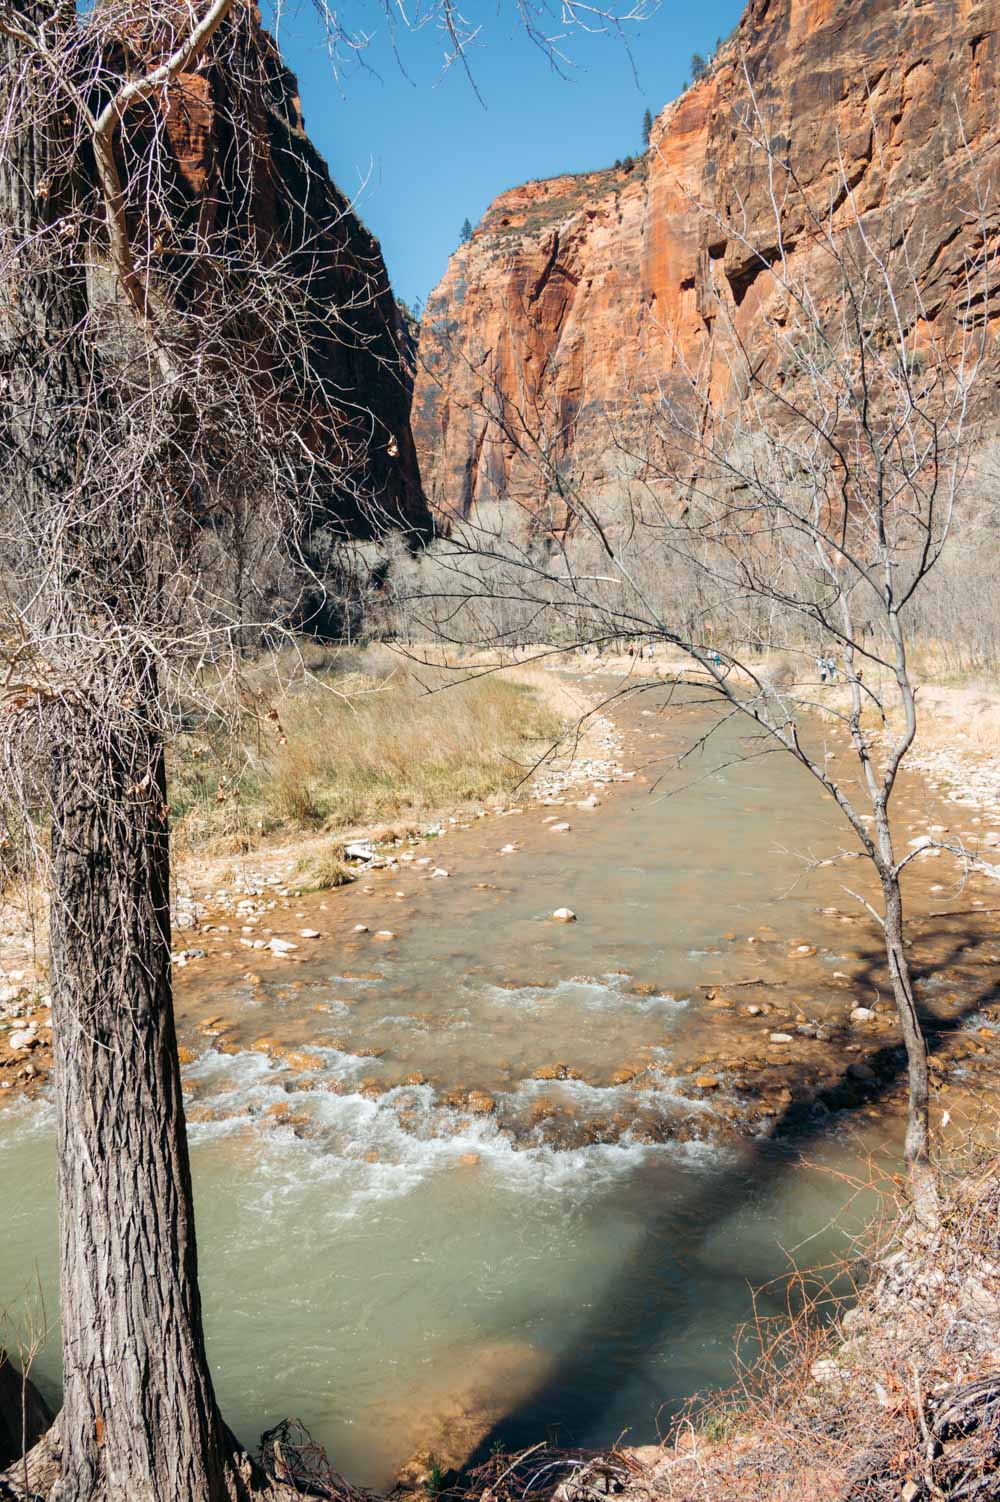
(789, 493)
(114, 410)
(166, 439)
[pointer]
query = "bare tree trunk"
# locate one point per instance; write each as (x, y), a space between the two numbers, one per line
(139, 1418)
(139, 1421)
(917, 1140)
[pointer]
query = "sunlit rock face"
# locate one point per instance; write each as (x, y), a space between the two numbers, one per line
(583, 303)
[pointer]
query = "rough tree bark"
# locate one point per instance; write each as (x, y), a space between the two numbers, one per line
(139, 1421)
(139, 1418)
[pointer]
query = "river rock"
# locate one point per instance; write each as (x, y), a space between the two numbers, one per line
(299, 1059)
(309, 933)
(281, 946)
(360, 851)
(384, 934)
(480, 1103)
(564, 915)
(782, 1038)
(862, 1014)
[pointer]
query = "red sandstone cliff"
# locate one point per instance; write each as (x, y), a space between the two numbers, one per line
(578, 297)
(245, 174)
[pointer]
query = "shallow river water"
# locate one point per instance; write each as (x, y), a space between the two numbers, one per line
(405, 1265)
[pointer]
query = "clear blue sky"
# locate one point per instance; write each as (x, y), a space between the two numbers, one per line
(422, 153)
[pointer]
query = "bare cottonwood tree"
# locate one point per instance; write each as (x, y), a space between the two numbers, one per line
(157, 379)
(167, 440)
(788, 491)
(120, 403)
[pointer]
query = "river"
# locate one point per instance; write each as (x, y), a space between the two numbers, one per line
(408, 1240)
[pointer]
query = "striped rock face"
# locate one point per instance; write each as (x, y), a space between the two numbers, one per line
(581, 300)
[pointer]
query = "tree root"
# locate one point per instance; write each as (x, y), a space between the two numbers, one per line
(35, 1476)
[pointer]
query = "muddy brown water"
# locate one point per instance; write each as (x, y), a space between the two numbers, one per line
(410, 1241)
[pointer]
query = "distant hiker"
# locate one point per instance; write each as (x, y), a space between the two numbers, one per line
(821, 665)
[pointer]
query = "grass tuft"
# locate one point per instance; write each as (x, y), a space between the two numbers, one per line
(362, 740)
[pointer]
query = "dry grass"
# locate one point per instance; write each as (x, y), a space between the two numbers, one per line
(362, 739)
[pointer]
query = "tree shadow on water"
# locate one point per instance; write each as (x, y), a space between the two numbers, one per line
(651, 1307)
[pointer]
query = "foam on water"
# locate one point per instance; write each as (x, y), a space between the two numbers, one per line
(589, 991)
(378, 1149)
(653, 1003)
(22, 1120)
(655, 1088)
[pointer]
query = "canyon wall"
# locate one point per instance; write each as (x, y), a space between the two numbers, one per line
(581, 299)
(244, 174)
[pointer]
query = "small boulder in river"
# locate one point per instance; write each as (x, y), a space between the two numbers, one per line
(623, 1076)
(480, 1103)
(564, 915)
(555, 1072)
(281, 946)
